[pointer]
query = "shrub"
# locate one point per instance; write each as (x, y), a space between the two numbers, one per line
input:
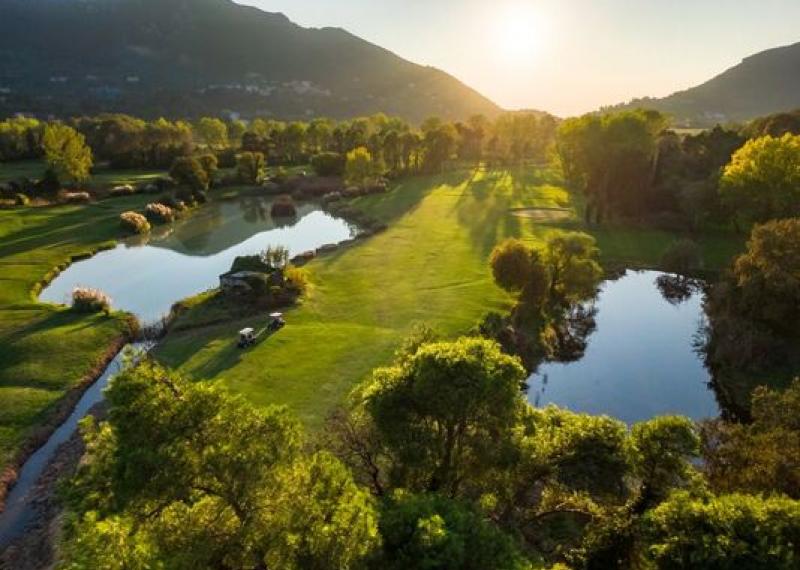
(76, 197)
(283, 207)
(189, 171)
(87, 300)
(159, 213)
(251, 167)
(21, 200)
(328, 164)
(134, 223)
(297, 278)
(124, 190)
(682, 257)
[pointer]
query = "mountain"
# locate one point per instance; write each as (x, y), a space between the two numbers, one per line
(765, 83)
(184, 58)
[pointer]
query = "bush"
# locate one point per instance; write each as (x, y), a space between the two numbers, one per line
(124, 190)
(87, 300)
(22, 200)
(283, 207)
(682, 257)
(297, 278)
(189, 171)
(76, 197)
(134, 223)
(328, 164)
(159, 213)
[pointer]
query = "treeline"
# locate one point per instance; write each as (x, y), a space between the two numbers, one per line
(128, 142)
(632, 167)
(437, 462)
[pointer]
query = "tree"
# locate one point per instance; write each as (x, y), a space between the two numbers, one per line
(329, 164)
(188, 171)
(67, 153)
(760, 457)
(574, 270)
(440, 142)
(762, 181)
(213, 132)
(236, 130)
(251, 167)
(767, 276)
(610, 158)
(431, 532)
(519, 268)
(443, 412)
(359, 167)
(723, 533)
(682, 257)
(184, 475)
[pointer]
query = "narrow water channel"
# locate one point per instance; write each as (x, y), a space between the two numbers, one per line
(639, 363)
(20, 508)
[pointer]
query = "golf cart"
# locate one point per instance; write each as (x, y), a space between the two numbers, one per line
(247, 337)
(276, 322)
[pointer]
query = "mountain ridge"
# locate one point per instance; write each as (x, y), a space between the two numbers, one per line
(761, 84)
(193, 57)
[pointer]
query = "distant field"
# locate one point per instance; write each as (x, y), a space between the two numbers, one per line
(430, 266)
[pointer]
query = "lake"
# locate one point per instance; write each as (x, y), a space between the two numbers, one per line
(640, 362)
(146, 276)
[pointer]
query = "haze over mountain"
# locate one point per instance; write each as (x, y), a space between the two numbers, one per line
(194, 57)
(762, 84)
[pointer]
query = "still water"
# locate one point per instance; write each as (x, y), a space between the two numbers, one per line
(640, 362)
(147, 276)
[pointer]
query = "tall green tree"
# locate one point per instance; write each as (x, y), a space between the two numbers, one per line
(359, 166)
(251, 167)
(762, 181)
(213, 132)
(67, 153)
(186, 476)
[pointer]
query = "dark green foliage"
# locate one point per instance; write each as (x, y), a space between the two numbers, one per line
(683, 257)
(188, 171)
(251, 167)
(762, 456)
(283, 207)
(328, 164)
(255, 263)
(431, 532)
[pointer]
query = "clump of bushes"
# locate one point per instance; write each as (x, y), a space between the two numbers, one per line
(21, 200)
(134, 223)
(682, 257)
(283, 207)
(297, 278)
(328, 164)
(87, 300)
(124, 190)
(159, 213)
(76, 197)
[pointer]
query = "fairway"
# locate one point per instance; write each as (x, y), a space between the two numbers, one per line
(46, 350)
(431, 266)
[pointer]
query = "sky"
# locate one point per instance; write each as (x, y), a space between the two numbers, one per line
(563, 56)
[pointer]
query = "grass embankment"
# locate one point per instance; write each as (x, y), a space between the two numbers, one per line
(102, 175)
(47, 350)
(430, 266)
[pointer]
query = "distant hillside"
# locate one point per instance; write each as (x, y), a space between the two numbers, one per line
(194, 57)
(765, 83)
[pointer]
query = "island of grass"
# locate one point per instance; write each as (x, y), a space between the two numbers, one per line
(430, 266)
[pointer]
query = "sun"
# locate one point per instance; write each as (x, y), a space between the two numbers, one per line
(520, 34)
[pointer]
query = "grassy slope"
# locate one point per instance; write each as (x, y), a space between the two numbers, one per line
(102, 177)
(431, 266)
(44, 349)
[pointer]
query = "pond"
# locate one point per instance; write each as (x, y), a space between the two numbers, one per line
(146, 276)
(640, 361)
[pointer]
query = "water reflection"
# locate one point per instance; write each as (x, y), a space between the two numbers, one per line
(147, 275)
(639, 362)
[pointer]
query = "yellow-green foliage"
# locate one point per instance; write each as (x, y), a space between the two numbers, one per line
(134, 222)
(298, 277)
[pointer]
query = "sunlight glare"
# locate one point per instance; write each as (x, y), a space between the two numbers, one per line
(520, 34)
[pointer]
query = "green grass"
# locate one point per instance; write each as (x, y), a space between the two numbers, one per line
(46, 350)
(102, 175)
(430, 266)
